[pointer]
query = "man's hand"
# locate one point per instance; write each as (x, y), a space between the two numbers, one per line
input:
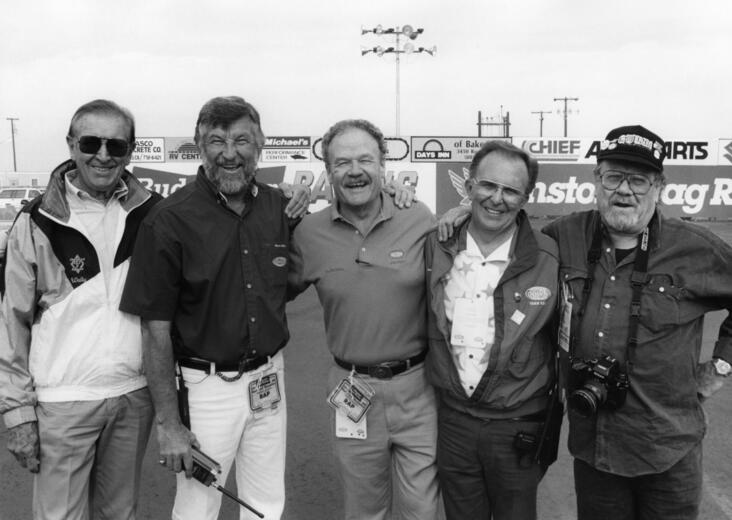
(299, 195)
(403, 194)
(450, 220)
(707, 380)
(175, 442)
(23, 443)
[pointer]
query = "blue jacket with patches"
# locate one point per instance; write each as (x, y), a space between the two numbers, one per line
(521, 368)
(66, 338)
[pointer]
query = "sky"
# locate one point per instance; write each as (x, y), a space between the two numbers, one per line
(666, 64)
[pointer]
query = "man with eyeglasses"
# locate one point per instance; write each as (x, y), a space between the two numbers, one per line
(492, 293)
(72, 389)
(208, 279)
(635, 288)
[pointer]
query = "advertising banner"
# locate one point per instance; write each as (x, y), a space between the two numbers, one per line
(170, 177)
(448, 149)
(149, 149)
(397, 148)
(698, 171)
(702, 152)
(286, 149)
(563, 188)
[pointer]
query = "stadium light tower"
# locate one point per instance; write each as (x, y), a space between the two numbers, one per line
(398, 49)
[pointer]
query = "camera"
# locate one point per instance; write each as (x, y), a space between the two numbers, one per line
(599, 382)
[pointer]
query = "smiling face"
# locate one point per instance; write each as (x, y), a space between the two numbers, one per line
(230, 155)
(623, 211)
(355, 170)
(98, 173)
(497, 192)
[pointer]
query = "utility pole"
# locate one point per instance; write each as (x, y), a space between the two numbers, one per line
(504, 123)
(541, 120)
(12, 137)
(566, 99)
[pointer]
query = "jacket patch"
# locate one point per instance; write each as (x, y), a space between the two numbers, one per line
(538, 295)
(279, 261)
(397, 254)
(77, 264)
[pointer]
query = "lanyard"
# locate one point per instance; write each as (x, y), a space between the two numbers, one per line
(638, 278)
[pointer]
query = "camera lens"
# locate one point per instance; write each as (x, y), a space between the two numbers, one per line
(587, 399)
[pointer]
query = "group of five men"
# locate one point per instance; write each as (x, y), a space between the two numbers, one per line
(448, 341)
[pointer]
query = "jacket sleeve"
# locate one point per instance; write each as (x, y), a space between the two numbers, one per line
(17, 395)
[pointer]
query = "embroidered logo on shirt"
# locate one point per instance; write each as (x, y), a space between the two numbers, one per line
(397, 254)
(279, 261)
(538, 295)
(77, 264)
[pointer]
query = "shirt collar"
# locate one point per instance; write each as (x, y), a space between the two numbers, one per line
(500, 254)
(120, 191)
(385, 213)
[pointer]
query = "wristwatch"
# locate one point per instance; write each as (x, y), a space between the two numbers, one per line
(722, 367)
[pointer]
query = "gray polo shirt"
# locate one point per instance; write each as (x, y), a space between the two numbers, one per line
(372, 287)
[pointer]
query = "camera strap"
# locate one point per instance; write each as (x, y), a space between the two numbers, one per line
(638, 278)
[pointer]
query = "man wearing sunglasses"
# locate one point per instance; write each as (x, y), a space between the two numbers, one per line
(72, 390)
(492, 293)
(635, 288)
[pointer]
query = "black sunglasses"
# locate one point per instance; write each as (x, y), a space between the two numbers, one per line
(92, 144)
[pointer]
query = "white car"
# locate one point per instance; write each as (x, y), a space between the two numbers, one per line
(17, 197)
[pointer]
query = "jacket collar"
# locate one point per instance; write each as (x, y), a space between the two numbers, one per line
(54, 201)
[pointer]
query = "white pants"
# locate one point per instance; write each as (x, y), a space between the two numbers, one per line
(228, 430)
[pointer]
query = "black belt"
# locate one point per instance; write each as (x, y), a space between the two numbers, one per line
(385, 370)
(243, 365)
(532, 417)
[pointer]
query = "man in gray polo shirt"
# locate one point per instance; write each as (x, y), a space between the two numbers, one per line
(365, 258)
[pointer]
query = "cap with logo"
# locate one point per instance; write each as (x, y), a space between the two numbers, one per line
(634, 144)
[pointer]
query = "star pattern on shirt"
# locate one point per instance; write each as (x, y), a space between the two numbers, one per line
(487, 291)
(466, 268)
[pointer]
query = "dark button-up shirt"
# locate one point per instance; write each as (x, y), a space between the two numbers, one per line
(220, 277)
(689, 274)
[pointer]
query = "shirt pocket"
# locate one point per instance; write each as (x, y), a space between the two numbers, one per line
(660, 303)
(275, 261)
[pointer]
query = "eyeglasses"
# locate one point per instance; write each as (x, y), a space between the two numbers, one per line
(638, 184)
(217, 144)
(509, 194)
(92, 144)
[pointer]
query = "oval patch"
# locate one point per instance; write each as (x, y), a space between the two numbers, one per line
(538, 293)
(279, 261)
(397, 254)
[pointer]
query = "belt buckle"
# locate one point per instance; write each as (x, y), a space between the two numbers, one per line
(382, 371)
(243, 362)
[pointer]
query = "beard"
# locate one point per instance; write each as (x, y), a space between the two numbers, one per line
(232, 183)
(628, 221)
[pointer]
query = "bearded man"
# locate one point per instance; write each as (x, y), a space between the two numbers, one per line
(209, 280)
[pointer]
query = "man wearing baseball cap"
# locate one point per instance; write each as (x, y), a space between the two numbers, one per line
(635, 288)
